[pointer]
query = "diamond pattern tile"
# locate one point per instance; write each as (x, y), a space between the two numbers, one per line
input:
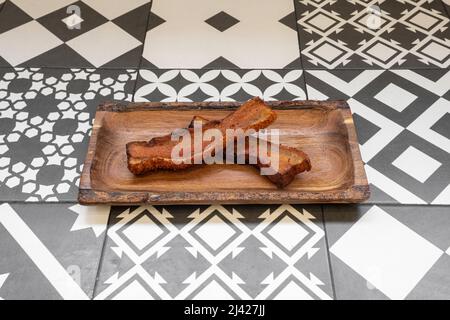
(373, 34)
(395, 111)
(217, 253)
(388, 252)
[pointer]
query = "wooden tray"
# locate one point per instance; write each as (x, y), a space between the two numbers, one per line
(324, 130)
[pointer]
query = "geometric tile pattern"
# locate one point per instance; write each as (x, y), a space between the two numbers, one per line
(213, 252)
(221, 34)
(389, 252)
(73, 33)
(407, 158)
(373, 34)
(45, 121)
(388, 59)
(219, 85)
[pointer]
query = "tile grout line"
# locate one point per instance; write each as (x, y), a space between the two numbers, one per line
(330, 268)
(142, 51)
(139, 67)
(2, 5)
(446, 8)
(383, 204)
(300, 49)
(102, 254)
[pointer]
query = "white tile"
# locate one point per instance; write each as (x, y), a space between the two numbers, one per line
(213, 291)
(322, 21)
(40, 8)
(288, 232)
(103, 44)
(215, 232)
(185, 40)
(134, 291)
(417, 164)
(388, 254)
(328, 52)
(292, 291)
(395, 97)
(436, 50)
(423, 20)
(112, 9)
(381, 51)
(17, 46)
(142, 232)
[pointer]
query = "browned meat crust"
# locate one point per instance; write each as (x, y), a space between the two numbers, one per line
(146, 156)
(292, 161)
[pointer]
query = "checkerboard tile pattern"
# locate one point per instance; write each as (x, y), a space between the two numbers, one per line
(90, 33)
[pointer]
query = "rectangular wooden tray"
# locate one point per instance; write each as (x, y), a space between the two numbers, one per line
(323, 129)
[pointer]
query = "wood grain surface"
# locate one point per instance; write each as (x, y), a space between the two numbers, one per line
(324, 130)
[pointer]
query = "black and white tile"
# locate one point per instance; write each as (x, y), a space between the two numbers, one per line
(401, 119)
(215, 252)
(373, 34)
(219, 85)
(221, 34)
(50, 251)
(397, 246)
(68, 33)
(389, 252)
(45, 122)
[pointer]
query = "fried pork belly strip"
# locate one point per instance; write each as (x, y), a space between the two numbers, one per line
(147, 156)
(291, 161)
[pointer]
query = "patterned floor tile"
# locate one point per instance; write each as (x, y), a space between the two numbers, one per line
(373, 34)
(395, 252)
(45, 121)
(232, 252)
(446, 4)
(83, 34)
(50, 251)
(221, 34)
(219, 85)
(401, 119)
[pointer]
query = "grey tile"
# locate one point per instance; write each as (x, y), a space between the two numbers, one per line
(50, 251)
(46, 117)
(395, 252)
(237, 252)
(400, 120)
